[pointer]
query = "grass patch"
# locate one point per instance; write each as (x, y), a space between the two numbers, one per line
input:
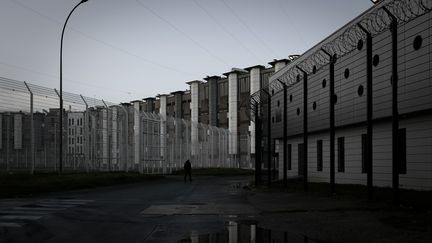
(16, 185)
(217, 172)
(421, 200)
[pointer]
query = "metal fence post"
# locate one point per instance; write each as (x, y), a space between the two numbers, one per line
(305, 128)
(369, 105)
(86, 137)
(395, 115)
(32, 134)
(60, 166)
(332, 121)
(108, 135)
(127, 138)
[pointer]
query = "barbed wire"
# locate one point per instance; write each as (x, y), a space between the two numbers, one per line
(375, 22)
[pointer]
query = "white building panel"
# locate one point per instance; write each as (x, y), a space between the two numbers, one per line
(194, 86)
(105, 142)
(163, 128)
(114, 135)
(18, 134)
(255, 85)
(233, 112)
(136, 127)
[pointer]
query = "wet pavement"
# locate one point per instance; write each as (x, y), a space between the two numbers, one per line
(209, 209)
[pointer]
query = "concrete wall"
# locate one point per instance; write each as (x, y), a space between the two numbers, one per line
(419, 155)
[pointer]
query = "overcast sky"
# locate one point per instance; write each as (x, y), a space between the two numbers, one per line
(123, 50)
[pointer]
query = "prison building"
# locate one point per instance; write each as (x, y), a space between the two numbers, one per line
(407, 48)
(224, 101)
(75, 139)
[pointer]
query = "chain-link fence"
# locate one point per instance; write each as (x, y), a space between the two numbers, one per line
(98, 135)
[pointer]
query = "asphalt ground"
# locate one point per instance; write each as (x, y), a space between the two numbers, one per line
(208, 209)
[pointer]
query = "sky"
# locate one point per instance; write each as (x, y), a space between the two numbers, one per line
(126, 50)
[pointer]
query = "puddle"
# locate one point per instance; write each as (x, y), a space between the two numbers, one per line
(247, 231)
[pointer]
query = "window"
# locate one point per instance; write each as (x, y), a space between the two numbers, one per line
(72, 121)
(360, 90)
(335, 98)
(319, 155)
(375, 60)
(402, 151)
(417, 43)
(80, 121)
(341, 154)
(364, 153)
(69, 122)
(346, 73)
(289, 157)
(360, 45)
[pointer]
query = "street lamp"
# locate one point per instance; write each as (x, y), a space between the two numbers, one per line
(61, 87)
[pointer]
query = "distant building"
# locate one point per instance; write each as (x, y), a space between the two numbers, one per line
(75, 139)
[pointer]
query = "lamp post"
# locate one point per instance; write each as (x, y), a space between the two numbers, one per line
(61, 87)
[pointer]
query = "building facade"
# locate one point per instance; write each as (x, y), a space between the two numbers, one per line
(399, 118)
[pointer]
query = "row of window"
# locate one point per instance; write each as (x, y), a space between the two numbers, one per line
(341, 154)
(79, 140)
(72, 131)
(79, 122)
(79, 150)
(417, 43)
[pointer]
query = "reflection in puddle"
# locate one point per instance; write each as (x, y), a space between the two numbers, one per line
(247, 232)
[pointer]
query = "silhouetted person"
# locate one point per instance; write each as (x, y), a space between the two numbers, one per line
(188, 170)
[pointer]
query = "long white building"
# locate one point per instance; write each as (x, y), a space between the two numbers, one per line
(405, 50)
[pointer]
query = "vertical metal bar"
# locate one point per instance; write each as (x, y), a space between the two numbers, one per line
(332, 121)
(269, 155)
(395, 115)
(8, 142)
(32, 134)
(285, 133)
(332, 126)
(369, 105)
(305, 129)
(60, 132)
(127, 138)
(257, 146)
(108, 135)
(86, 137)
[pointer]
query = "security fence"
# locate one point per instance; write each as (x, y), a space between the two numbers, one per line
(98, 135)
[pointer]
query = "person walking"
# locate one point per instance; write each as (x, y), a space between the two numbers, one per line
(188, 170)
